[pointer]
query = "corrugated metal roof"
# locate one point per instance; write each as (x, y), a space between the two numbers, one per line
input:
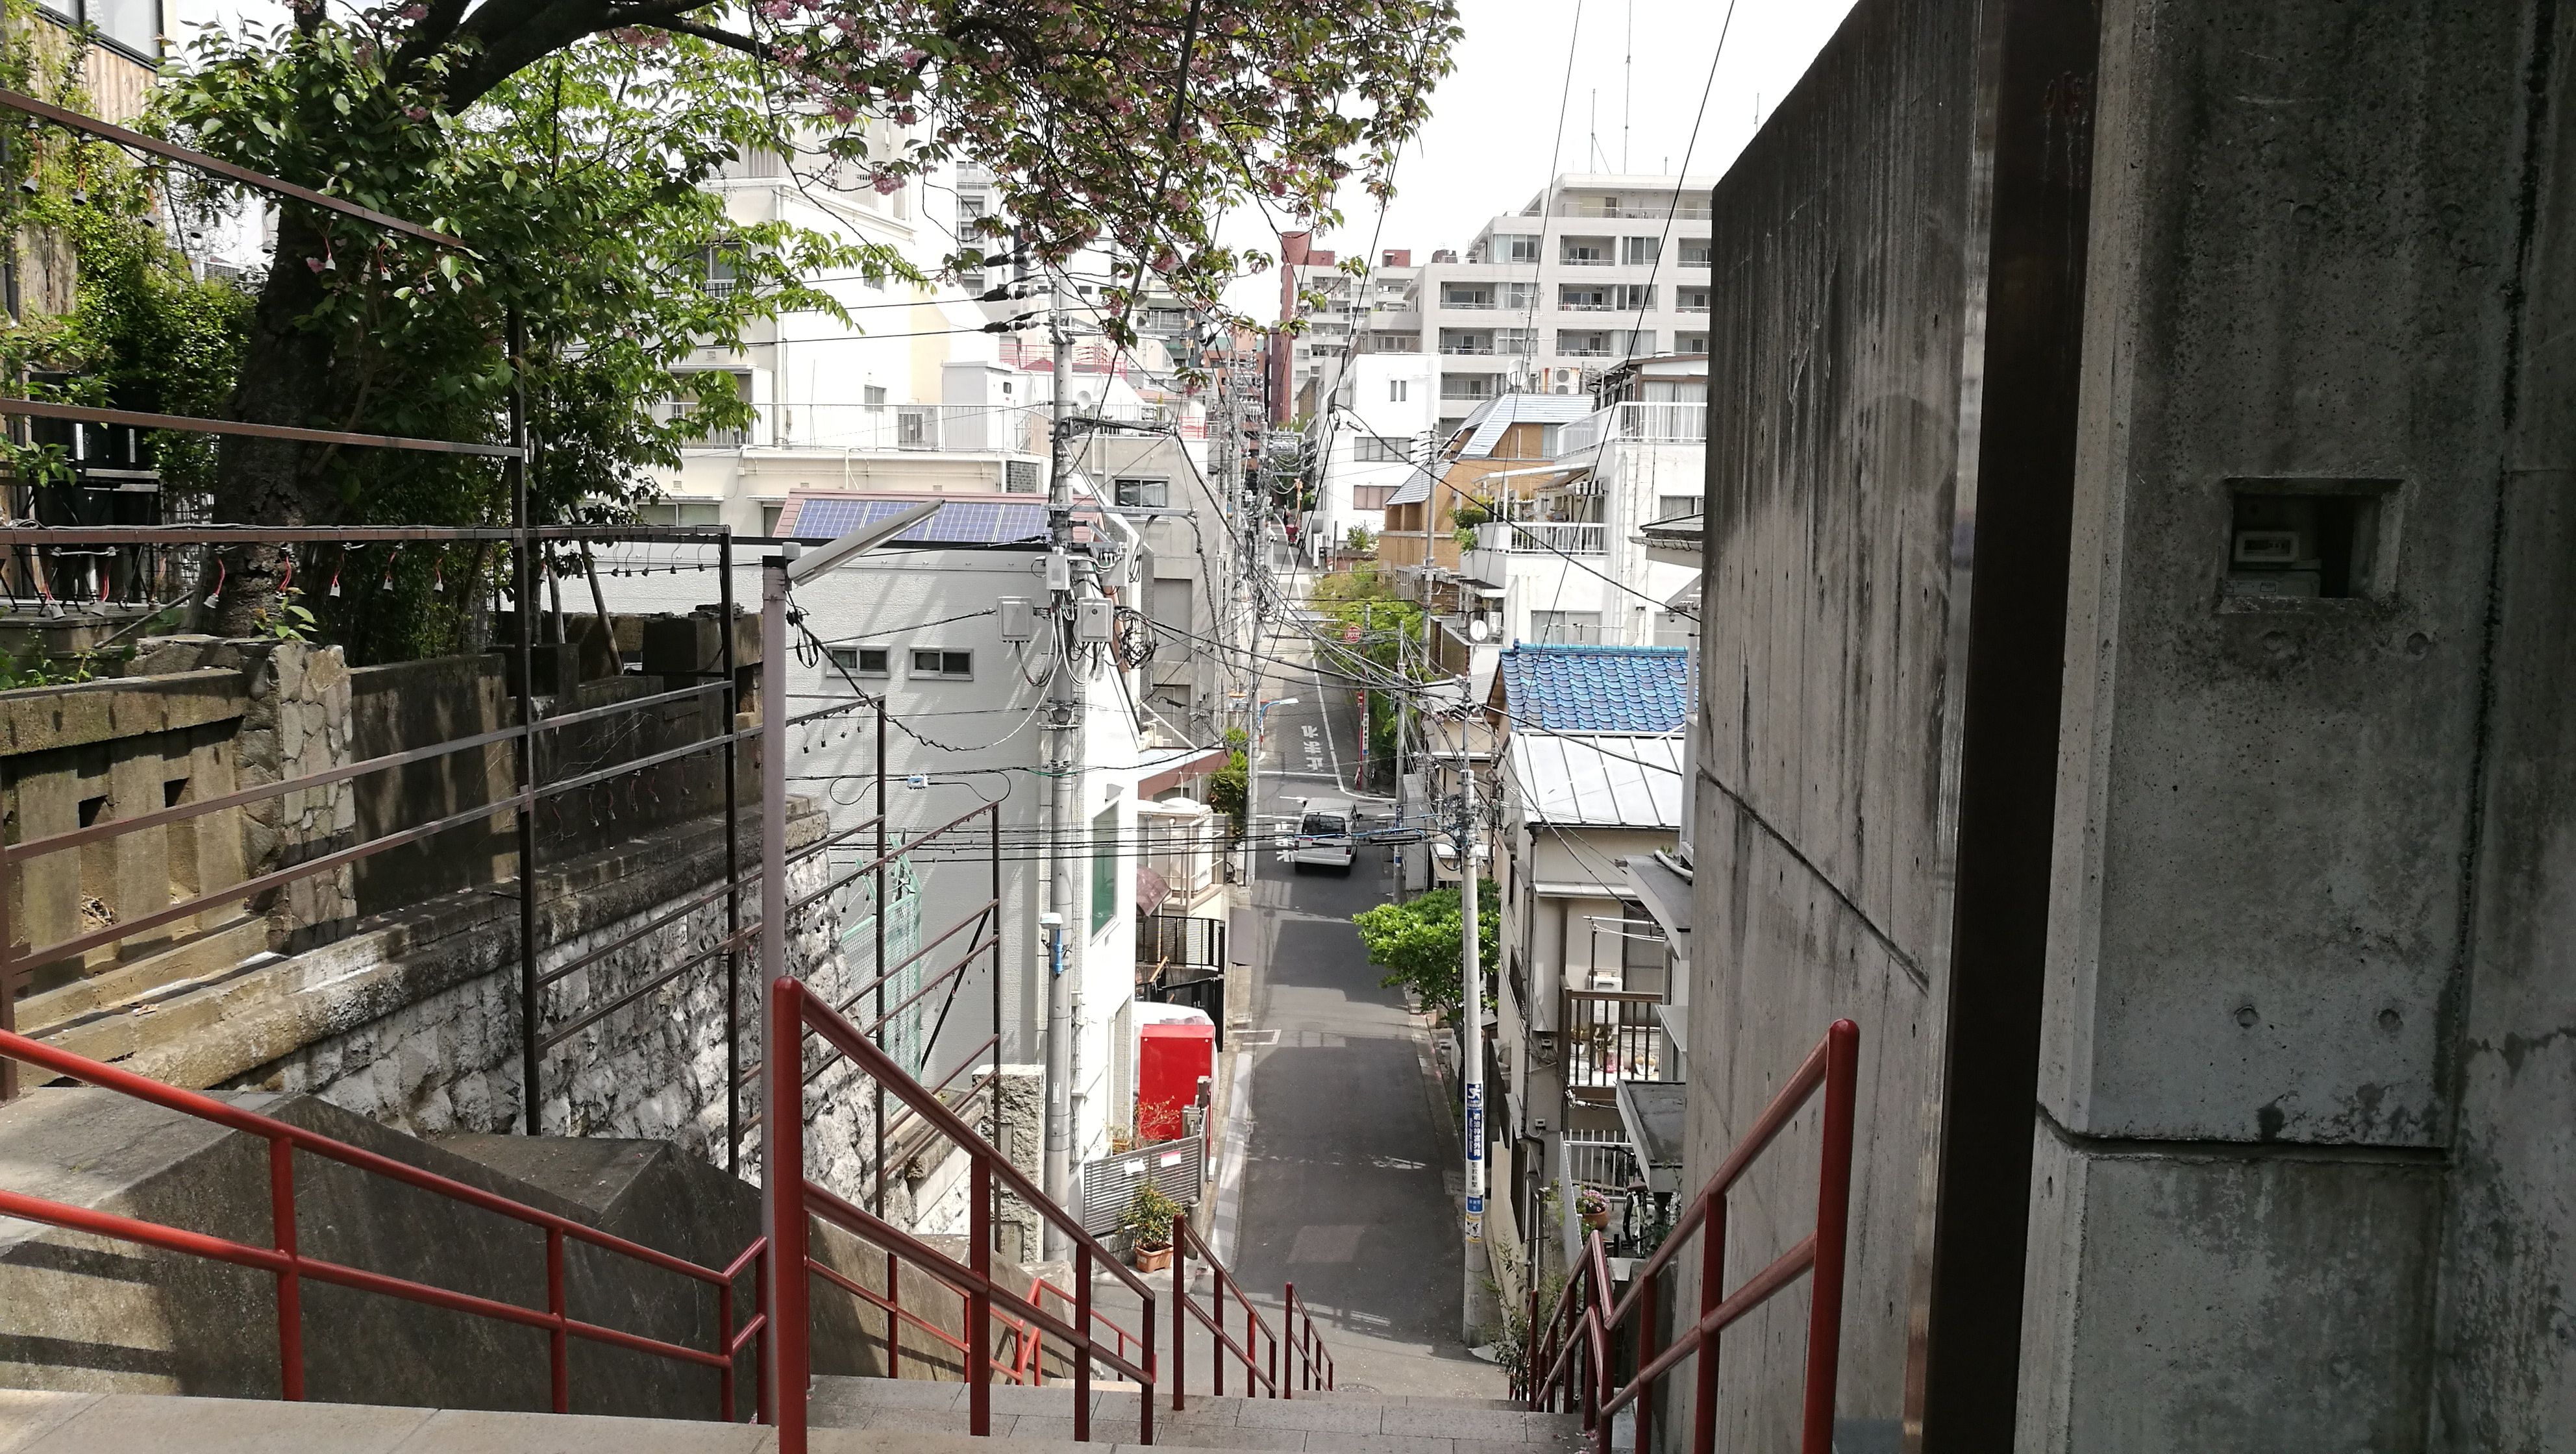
(1415, 489)
(1597, 688)
(1485, 427)
(1599, 782)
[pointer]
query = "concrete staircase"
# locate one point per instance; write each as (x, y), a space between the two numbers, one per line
(865, 1416)
(1370, 1423)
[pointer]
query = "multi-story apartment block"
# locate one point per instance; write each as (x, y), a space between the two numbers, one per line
(1598, 268)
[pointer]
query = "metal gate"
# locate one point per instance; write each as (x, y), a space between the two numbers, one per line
(1178, 1168)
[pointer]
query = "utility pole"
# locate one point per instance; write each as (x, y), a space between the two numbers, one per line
(1471, 1040)
(1064, 727)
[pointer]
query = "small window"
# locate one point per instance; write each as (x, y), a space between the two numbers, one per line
(1640, 251)
(866, 661)
(1397, 390)
(874, 396)
(1690, 343)
(1668, 507)
(1019, 476)
(679, 512)
(1142, 494)
(946, 665)
(1515, 247)
(1372, 449)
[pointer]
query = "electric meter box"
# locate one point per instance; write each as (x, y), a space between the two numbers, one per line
(1095, 617)
(1019, 619)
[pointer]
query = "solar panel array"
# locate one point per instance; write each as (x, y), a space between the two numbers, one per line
(959, 522)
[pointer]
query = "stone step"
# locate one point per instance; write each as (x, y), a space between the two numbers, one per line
(37, 1422)
(1377, 1423)
(228, 949)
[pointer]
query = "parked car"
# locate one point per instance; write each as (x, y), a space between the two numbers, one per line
(1327, 835)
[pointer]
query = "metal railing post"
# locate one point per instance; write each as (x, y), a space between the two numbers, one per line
(782, 1175)
(1082, 1348)
(290, 1285)
(1645, 1355)
(1153, 1377)
(979, 1303)
(1712, 1291)
(1833, 1217)
(524, 685)
(558, 1341)
(733, 847)
(877, 970)
(1180, 1331)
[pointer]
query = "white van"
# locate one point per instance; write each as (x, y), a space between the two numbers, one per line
(1327, 835)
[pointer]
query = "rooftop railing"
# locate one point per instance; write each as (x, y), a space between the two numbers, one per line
(1642, 423)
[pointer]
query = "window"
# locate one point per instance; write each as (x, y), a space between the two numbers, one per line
(1520, 297)
(1371, 449)
(132, 24)
(1140, 494)
(1467, 386)
(1397, 390)
(1694, 300)
(1634, 295)
(1105, 860)
(866, 661)
(1690, 343)
(1566, 628)
(1668, 506)
(945, 665)
(1454, 296)
(1640, 251)
(1586, 298)
(720, 272)
(1515, 247)
(1695, 252)
(679, 512)
(1584, 345)
(874, 396)
(690, 386)
(1592, 252)
(1020, 476)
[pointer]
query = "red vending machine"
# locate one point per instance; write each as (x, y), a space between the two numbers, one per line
(1175, 1050)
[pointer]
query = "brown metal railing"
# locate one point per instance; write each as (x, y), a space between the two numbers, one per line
(1570, 1354)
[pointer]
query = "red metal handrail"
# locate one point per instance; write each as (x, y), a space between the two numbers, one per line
(1258, 1381)
(1571, 1357)
(1306, 1345)
(290, 1266)
(793, 1011)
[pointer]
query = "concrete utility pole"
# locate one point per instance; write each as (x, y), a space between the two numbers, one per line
(1064, 803)
(1471, 1041)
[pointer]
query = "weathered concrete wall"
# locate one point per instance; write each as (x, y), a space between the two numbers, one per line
(2312, 246)
(1841, 291)
(2504, 1379)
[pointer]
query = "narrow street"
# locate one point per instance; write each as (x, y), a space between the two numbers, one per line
(1349, 1181)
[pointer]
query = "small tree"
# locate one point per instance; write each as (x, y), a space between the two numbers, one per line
(1416, 943)
(1148, 1219)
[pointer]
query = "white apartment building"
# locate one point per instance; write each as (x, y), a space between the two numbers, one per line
(1596, 269)
(1571, 562)
(1380, 434)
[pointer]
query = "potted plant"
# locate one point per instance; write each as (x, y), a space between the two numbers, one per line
(1593, 1208)
(1148, 1225)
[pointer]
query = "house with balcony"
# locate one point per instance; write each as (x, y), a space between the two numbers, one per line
(1591, 778)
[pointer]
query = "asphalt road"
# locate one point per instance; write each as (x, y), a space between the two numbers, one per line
(1350, 1175)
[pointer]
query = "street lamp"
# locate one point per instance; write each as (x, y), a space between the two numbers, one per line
(1252, 784)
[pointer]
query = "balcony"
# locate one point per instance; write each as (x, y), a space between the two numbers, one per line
(1658, 423)
(1498, 541)
(1609, 1036)
(1635, 211)
(938, 428)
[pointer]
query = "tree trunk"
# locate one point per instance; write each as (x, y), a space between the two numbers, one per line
(285, 376)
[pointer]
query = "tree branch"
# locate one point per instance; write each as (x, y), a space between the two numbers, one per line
(707, 33)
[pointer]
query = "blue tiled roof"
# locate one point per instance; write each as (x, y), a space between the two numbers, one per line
(1597, 688)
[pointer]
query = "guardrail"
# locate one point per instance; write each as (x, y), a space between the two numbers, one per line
(291, 1267)
(1571, 1355)
(793, 1011)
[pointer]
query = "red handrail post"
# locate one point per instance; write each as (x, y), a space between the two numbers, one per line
(724, 1345)
(559, 1342)
(1216, 1328)
(894, 1306)
(1712, 1291)
(1082, 1349)
(979, 1303)
(1153, 1374)
(760, 1345)
(1288, 1315)
(1180, 1334)
(1645, 1355)
(290, 1286)
(1833, 1219)
(782, 1154)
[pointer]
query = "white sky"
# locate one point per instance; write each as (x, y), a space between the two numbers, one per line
(1493, 119)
